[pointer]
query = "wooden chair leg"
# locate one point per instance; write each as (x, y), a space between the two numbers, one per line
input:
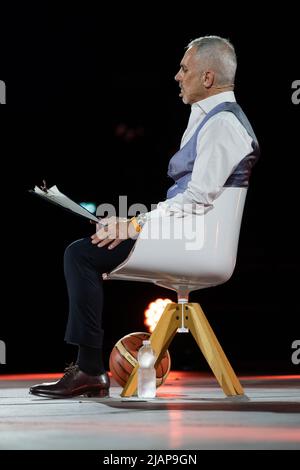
(195, 320)
(161, 338)
(200, 328)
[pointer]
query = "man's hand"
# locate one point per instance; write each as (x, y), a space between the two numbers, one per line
(112, 231)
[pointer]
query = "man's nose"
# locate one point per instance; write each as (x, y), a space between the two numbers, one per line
(177, 78)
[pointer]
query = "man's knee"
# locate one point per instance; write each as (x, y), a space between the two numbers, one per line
(75, 251)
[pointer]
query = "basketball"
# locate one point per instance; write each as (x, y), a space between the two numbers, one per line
(123, 359)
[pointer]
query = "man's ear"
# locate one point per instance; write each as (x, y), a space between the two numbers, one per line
(209, 78)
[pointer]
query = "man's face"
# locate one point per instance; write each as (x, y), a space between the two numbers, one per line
(190, 78)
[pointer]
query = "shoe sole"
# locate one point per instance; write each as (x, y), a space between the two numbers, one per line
(102, 393)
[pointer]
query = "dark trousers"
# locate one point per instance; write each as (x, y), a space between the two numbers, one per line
(84, 264)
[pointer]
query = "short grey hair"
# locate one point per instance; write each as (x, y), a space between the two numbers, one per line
(218, 53)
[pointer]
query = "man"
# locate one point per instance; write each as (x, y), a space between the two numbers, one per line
(218, 149)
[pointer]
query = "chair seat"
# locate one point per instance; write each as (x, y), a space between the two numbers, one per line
(193, 252)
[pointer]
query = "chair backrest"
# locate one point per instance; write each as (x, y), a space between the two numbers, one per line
(172, 258)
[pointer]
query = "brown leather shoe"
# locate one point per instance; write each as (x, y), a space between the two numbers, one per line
(75, 382)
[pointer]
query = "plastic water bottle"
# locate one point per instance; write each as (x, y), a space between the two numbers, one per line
(146, 371)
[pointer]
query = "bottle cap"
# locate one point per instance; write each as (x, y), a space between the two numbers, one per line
(146, 341)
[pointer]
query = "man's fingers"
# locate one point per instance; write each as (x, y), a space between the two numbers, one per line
(104, 243)
(99, 236)
(114, 243)
(112, 233)
(111, 245)
(95, 239)
(109, 231)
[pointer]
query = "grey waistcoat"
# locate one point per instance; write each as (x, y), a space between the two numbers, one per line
(182, 163)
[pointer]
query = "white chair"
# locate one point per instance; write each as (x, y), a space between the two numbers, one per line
(187, 254)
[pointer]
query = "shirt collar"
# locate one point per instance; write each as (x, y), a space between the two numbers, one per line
(209, 103)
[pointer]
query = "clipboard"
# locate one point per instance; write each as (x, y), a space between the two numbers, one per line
(55, 196)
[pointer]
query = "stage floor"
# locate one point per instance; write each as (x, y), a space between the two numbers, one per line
(190, 412)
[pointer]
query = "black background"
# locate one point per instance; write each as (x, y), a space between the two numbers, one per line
(75, 77)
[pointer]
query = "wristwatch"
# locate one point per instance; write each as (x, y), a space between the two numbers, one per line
(139, 221)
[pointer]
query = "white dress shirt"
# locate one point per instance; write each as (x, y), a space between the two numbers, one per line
(222, 143)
